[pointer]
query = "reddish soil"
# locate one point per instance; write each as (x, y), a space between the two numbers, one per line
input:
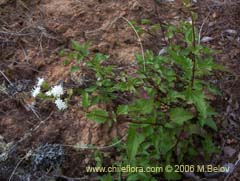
(33, 32)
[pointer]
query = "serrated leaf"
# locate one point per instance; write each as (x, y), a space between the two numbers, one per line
(184, 62)
(122, 109)
(76, 45)
(180, 115)
(145, 106)
(174, 95)
(98, 115)
(81, 48)
(134, 140)
(214, 90)
(165, 141)
(211, 123)
(198, 99)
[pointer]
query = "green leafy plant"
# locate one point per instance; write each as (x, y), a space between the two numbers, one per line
(165, 104)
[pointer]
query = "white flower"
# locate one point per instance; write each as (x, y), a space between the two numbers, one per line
(36, 91)
(61, 105)
(162, 51)
(48, 93)
(189, 20)
(56, 91)
(40, 82)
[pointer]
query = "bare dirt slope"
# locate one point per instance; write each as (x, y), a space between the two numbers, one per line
(32, 33)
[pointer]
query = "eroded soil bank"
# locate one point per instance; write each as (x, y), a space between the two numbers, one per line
(32, 33)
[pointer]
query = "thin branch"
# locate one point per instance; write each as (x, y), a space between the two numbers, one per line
(17, 34)
(14, 170)
(6, 78)
(30, 132)
(201, 28)
(90, 147)
(139, 40)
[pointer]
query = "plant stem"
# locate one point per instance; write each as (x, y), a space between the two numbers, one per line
(166, 41)
(193, 55)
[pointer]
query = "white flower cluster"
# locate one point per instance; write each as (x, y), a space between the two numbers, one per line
(61, 105)
(56, 91)
(37, 88)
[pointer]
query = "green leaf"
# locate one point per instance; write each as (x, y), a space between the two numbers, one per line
(211, 123)
(66, 62)
(62, 53)
(79, 58)
(145, 21)
(155, 27)
(183, 61)
(99, 58)
(107, 177)
(45, 85)
(165, 141)
(180, 115)
(195, 129)
(214, 90)
(139, 176)
(134, 140)
(205, 67)
(98, 115)
(82, 49)
(91, 89)
(174, 95)
(198, 99)
(71, 55)
(208, 147)
(143, 106)
(172, 175)
(76, 45)
(85, 100)
(75, 68)
(188, 36)
(122, 109)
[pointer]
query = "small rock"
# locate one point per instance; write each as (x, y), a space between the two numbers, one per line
(206, 39)
(48, 155)
(229, 151)
(230, 31)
